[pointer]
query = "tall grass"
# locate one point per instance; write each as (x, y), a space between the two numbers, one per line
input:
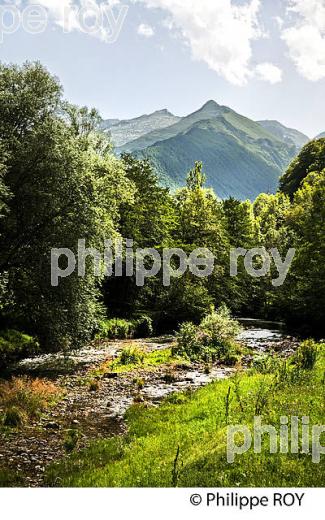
(184, 441)
(23, 399)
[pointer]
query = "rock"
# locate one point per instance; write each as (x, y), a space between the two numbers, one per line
(52, 426)
(110, 375)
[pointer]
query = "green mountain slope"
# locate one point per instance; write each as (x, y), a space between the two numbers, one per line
(127, 130)
(240, 157)
(288, 135)
(210, 110)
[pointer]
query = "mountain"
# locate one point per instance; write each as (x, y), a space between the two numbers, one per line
(240, 157)
(288, 135)
(210, 110)
(320, 136)
(127, 130)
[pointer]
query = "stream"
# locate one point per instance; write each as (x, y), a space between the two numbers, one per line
(99, 414)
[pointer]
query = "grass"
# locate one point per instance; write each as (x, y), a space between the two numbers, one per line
(23, 399)
(184, 441)
(10, 478)
(134, 358)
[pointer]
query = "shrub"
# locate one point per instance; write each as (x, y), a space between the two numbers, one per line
(116, 329)
(14, 417)
(213, 339)
(143, 327)
(94, 385)
(15, 345)
(25, 398)
(125, 329)
(190, 342)
(131, 356)
(267, 364)
(71, 440)
(139, 382)
(306, 355)
(221, 329)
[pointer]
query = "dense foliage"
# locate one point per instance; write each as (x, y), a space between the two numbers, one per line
(212, 340)
(60, 182)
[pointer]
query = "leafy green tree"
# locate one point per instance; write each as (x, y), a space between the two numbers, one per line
(271, 217)
(64, 185)
(240, 291)
(310, 159)
(200, 217)
(305, 296)
(149, 220)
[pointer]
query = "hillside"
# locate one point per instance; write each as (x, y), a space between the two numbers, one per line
(241, 158)
(288, 135)
(130, 129)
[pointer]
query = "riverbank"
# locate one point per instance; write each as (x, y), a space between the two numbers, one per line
(94, 400)
(184, 441)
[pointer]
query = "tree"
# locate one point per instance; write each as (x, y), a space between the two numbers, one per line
(310, 159)
(305, 296)
(64, 185)
(240, 291)
(149, 220)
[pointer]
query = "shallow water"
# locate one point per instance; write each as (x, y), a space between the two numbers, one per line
(260, 334)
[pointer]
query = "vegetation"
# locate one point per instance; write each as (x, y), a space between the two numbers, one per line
(15, 345)
(60, 181)
(195, 424)
(212, 340)
(24, 399)
(124, 329)
(134, 357)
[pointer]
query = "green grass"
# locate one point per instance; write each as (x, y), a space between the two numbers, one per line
(134, 358)
(197, 424)
(9, 478)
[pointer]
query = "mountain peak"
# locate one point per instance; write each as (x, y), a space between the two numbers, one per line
(210, 104)
(210, 110)
(163, 112)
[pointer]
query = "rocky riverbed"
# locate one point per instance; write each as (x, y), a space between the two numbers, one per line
(99, 414)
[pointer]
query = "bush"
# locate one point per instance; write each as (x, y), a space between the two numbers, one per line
(125, 329)
(267, 364)
(190, 341)
(116, 329)
(220, 328)
(15, 345)
(143, 327)
(24, 398)
(306, 355)
(14, 417)
(131, 356)
(213, 339)
(71, 440)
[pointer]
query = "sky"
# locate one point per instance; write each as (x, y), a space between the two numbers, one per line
(263, 58)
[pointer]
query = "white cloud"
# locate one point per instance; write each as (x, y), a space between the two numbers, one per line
(220, 33)
(305, 37)
(279, 21)
(145, 30)
(268, 72)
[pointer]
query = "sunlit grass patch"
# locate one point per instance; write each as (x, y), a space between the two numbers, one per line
(184, 441)
(134, 357)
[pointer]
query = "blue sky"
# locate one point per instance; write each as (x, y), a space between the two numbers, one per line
(263, 58)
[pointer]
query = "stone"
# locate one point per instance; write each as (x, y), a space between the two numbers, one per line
(110, 375)
(52, 426)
